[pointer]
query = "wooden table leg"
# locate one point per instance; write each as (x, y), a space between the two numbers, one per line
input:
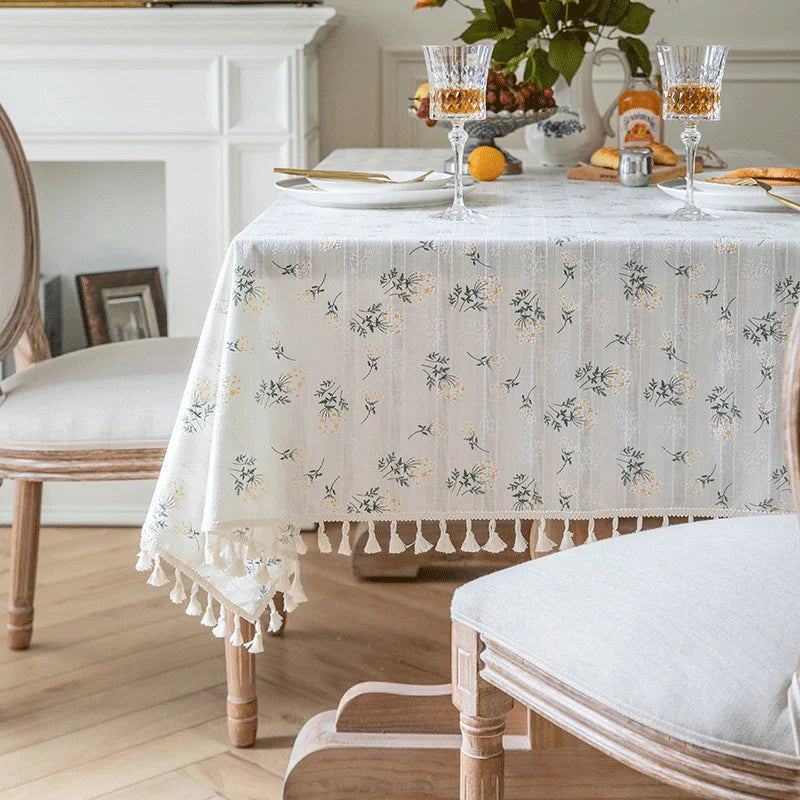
(24, 556)
(242, 705)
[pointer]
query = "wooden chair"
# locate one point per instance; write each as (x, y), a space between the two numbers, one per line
(674, 651)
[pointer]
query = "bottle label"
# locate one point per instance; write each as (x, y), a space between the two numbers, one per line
(639, 127)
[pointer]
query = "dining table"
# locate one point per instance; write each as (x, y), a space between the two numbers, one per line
(576, 356)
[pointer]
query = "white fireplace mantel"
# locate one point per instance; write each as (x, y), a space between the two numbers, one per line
(219, 95)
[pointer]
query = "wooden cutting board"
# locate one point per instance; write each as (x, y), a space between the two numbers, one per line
(660, 173)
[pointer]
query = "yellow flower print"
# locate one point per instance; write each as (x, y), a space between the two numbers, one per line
(725, 247)
(282, 390)
(247, 293)
(240, 345)
(331, 244)
(248, 482)
(229, 386)
(475, 480)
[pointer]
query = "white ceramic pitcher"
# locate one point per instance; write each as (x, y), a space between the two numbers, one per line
(577, 129)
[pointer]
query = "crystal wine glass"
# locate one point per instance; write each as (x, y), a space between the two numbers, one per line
(458, 75)
(692, 81)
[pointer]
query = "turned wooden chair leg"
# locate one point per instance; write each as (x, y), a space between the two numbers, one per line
(483, 720)
(24, 555)
(242, 705)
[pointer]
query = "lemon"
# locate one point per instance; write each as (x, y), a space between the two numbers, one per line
(423, 91)
(486, 163)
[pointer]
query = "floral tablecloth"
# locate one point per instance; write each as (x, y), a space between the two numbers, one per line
(576, 356)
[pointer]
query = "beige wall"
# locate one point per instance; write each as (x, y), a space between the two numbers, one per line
(761, 105)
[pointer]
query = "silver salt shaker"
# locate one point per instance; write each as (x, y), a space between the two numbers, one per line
(635, 166)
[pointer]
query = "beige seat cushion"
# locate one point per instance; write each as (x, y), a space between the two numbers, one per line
(124, 395)
(693, 630)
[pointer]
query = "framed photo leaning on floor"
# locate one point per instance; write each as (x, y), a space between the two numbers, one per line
(122, 305)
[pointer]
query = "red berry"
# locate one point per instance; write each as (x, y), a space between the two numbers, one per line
(430, 122)
(548, 92)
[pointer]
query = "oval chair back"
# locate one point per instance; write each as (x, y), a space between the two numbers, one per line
(19, 240)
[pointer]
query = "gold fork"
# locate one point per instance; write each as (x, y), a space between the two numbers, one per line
(768, 189)
(364, 177)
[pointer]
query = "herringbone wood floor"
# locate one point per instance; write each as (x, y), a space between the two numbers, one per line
(122, 696)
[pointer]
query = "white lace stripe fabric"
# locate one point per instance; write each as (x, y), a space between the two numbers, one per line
(576, 356)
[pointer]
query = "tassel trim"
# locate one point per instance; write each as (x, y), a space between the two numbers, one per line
(494, 544)
(444, 543)
(470, 543)
(421, 544)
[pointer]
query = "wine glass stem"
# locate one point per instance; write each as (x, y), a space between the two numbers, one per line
(690, 138)
(458, 138)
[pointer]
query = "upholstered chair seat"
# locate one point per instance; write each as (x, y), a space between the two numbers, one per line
(116, 396)
(692, 631)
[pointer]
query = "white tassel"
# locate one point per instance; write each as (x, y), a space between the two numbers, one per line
(520, 545)
(344, 545)
(691, 518)
(372, 546)
(275, 619)
(209, 618)
(470, 543)
(323, 540)
(665, 521)
(592, 537)
(615, 527)
(262, 572)
(289, 604)
(216, 554)
(221, 628)
(296, 591)
(444, 544)
(194, 609)
(494, 544)
(144, 563)
(157, 577)
(237, 567)
(256, 645)
(299, 543)
(566, 539)
(178, 593)
(639, 524)
(544, 544)
(421, 544)
(236, 637)
(396, 544)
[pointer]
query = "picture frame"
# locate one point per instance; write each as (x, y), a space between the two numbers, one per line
(122, 305)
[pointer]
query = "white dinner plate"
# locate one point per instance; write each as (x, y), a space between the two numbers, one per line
(302, 190)
(723, 201)
(434, 181)
(702, 184)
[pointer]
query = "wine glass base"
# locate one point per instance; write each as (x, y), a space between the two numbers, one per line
(691, 214)
(460, 214)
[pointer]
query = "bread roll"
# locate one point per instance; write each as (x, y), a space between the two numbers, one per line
(663, 155)
(785, 173)
(606, 157)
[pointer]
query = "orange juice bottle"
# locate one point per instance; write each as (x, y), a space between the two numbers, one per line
(639, 123)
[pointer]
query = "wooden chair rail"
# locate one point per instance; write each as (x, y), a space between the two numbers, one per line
(685, 766)
(81, 465)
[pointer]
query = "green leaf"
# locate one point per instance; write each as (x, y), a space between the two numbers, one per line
(528, 28)
(636, 52)
(482, 28)
(636, 18)
(553, 12)
(538, 69)
(506, 49)
(610, 12)
(502, 13)
(566, 54)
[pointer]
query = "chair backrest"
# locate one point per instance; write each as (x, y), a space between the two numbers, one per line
(791, 409)
(19, 240)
